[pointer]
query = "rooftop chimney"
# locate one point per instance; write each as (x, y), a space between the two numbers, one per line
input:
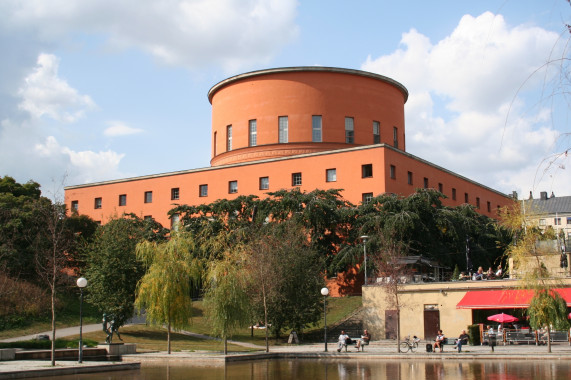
(543, 195)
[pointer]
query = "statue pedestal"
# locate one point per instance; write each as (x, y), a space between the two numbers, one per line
(115, 349)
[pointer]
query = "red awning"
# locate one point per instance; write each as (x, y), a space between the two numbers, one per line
(503, 299)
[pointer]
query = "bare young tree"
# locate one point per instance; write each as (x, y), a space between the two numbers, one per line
(51, 242)
(390, 265)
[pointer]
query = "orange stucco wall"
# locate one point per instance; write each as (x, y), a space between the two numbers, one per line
(332, 93)
(347, 162)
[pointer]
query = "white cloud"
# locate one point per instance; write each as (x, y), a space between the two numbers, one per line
(461, 91)
(44, 93)
(190, 33)
(84, 166)
(118, 128)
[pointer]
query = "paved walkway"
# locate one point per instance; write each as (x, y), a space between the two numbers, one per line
(378, 350)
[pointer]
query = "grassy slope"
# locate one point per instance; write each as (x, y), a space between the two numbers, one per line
(153, 338)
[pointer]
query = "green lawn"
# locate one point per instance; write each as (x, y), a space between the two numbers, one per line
(155, 339)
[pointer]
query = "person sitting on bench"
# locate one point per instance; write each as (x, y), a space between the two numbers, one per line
(342, 341)
(462, 340)
(439, 340)
(365, 338)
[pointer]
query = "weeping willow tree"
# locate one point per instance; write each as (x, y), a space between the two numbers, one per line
(528, 253)
(165, 291)
(227, 301)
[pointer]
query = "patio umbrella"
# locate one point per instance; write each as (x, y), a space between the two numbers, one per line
(502, 318)
(569, 316)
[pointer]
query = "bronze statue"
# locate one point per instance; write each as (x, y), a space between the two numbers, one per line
(110, 328)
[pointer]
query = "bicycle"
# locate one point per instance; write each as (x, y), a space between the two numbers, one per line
(409, 345)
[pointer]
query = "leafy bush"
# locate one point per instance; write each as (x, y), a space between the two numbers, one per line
(474, 333)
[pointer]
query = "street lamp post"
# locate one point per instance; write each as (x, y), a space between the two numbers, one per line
(364, 238)
(325, 292)
(81, 283)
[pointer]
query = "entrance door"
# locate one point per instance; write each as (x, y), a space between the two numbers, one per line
(431, 324)
(390, 324)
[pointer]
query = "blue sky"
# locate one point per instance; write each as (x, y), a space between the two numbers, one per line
(94, 90)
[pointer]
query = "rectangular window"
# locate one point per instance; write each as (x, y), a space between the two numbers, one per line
(478, 202)
(228, 138)
(395, 137)
(148, 217)
(203, 190)
(489, 207)
(542, 222)
(175, 222)
(123, 200)
(568, 218)
(296, 179)
(366, 198)
(283, 127)
(175, 193)
(331, 175)
(557, 221)
(409, 178)
(376, 132)
(393, 172)
(440, 188)
(98, 202)
(215, 142)
(453, 194)
(367, 170)
(74, 205)
(466, 198)
(232, 187)
(425, 183)
(148, 197)
(253, 133)
(316, 128)
(264, 183)
(349, 130)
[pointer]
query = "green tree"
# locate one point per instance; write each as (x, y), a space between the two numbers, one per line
(426, 226)
(112, 268)
(226, 296)
(287, 273)
(19, 223)
(165, 291)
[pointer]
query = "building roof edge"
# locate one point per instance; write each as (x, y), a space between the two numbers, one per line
(293, 69)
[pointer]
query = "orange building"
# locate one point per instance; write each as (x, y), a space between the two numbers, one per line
(305, 127)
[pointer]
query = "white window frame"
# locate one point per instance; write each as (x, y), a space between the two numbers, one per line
(296, 179)
(316, 128)
(331, 175)
(252, 132)
(349, 130)
(283, 126)
(228, 138)
(264, 183)
(232, 187)
(376, 132)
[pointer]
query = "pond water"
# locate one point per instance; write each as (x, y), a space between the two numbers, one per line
(285, 369)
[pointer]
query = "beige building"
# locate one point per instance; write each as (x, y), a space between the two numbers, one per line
(450, 306)
(550, 212)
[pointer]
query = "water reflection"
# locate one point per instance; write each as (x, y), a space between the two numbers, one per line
(346, 369)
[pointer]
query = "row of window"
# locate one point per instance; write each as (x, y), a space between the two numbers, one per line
(556, 221)
(297, 180)
(426, 185)
(316, 131)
